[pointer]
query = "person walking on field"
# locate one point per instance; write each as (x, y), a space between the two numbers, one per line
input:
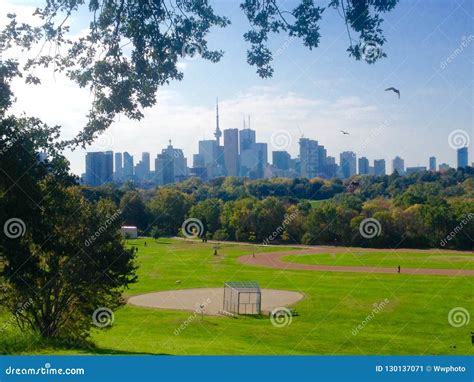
(399, 269)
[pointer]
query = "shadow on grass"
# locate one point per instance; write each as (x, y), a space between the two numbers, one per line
(27, 343)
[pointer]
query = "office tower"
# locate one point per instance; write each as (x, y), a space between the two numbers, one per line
(208, 157)
(231, 151)
(363, 166)
(331, 167)
(413, 170)
(462, 157)
(127, 166)
(379, 167)
(281, 160)
(309, 158)
(398, 165)
(262, 159)
(253, 155)
(443, 167)
(348, 164)
(246, 139)
(99, 168)
(253, 160)
(170, 166)
(142, 169)
(322, 161)
(433, 164)
(118, 166)
(146, 163)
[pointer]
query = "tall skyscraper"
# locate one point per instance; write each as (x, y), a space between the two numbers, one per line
(348, 164)
(379, 167)
(462, 157)
(170, 166)
(127, 166)
(398, 165)
(433, 164)
(99, 168)
(231, 151)
(142, 169)
(363, 166)
(246, 138)
(281, 160)
(118, 166)
(322, 161)
(309, 157)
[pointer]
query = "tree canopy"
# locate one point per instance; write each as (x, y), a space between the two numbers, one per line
(132, 47)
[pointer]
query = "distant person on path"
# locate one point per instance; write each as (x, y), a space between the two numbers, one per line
(399, 269)
(253, 255)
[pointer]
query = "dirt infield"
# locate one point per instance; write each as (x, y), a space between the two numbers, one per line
(272, 260)
(211, 298)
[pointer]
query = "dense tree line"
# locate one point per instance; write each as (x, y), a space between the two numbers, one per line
(420, 210)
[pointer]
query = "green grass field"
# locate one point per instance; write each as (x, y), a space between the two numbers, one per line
(415, 320)
(388, 259)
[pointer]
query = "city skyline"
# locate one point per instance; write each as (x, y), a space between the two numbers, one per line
(312, 93)
(241, 155)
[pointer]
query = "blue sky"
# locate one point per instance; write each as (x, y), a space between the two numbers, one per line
(315, 93)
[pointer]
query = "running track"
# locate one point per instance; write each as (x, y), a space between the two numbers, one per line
(272, 260)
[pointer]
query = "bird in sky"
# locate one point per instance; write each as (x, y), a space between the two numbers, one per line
(344, 132)
(394, 90)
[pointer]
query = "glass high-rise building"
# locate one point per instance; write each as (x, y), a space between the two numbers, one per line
(363, 166)
(348, 163)
(231, 151)
(99, 168)
(398, 165)
(379, 167)
(462, 157)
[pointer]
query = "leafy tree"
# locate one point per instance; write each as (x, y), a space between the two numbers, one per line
(168, 210)
(208, 211)
(63, 256)
(133, 210)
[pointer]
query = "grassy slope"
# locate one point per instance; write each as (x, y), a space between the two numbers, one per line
(389, 259)
(414, 322)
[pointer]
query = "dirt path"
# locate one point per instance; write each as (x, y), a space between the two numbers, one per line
(273, 260)
(209, 299)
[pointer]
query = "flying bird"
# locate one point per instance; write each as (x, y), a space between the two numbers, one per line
(393, 90)
(344, 132)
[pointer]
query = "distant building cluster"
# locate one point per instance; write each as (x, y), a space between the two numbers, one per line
(241, 155)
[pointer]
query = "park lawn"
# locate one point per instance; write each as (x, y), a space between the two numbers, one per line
(393, 259)
(414, 321)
